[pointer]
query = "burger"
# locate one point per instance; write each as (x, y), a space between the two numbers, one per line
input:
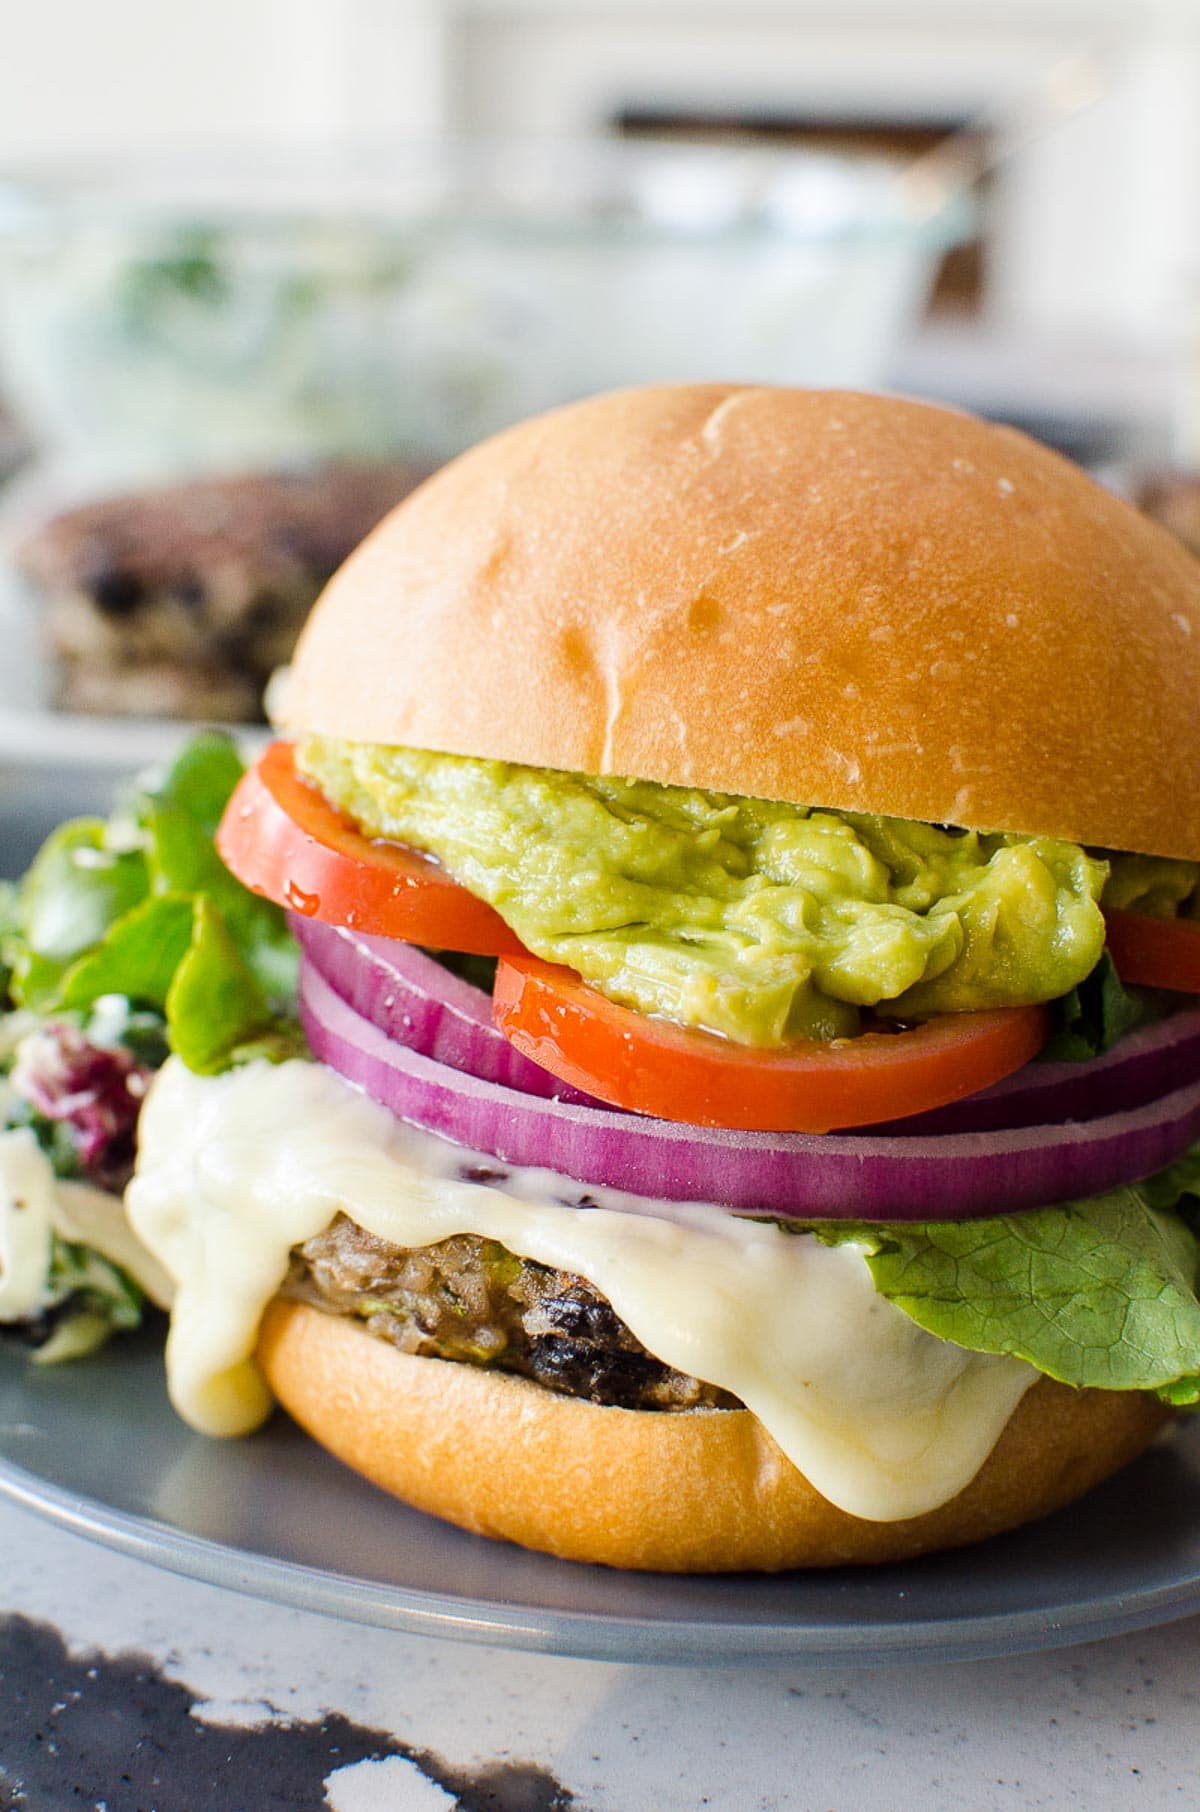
(744, 849)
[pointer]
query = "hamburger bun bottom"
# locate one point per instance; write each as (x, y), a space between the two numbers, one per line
(694, 1491)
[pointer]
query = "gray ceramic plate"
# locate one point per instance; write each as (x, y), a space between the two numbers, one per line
(97, 1448)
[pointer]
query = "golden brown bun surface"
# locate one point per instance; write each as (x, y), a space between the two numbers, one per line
(696, 1491)
(827, 597)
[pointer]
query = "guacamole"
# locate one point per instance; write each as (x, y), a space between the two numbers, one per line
(762, 922)
(1158, 886)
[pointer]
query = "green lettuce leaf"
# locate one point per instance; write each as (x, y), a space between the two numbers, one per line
(1178, 1187)
(214, 1003)
(8, 928)
(201, 778)
(1097, 1293)
(81, 882)
(137, 957)
(183, 860)
(141, 907)
(1091, 1018)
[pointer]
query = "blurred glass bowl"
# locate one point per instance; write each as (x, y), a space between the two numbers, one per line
(158, 319)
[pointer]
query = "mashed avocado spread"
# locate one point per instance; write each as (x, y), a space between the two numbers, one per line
(1158, 886)
(762, 922)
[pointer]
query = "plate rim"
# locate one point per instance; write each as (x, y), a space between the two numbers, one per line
(589, 1635)
(114, 746)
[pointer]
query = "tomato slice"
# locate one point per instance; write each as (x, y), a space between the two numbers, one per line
(654, 1067)
(282, 838)
(1155, 953)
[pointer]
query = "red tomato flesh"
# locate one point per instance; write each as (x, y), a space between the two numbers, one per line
(282, 838)
(1155, 953)
(654, 1067)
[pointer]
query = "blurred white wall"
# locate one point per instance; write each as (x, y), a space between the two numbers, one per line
(1096, 226)
(79, 77)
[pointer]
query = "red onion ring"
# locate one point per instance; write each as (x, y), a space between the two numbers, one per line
(791, 1175)
(413, 1000)
(417, 1002)
(1143, 1066)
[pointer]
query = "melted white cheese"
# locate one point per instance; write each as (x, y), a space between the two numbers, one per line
(883, 1418)
(87, 1216)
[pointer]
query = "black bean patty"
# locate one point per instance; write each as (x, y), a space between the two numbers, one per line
(472, 1300)
(181, 602)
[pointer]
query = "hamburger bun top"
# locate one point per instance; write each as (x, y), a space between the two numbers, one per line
(827, 597)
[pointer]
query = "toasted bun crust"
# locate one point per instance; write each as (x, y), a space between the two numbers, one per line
(831, 598)
(702, 1491)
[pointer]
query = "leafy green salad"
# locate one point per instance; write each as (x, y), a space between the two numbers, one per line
(126, 940)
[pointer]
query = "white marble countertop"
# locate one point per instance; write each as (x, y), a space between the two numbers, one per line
(124, 1689)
